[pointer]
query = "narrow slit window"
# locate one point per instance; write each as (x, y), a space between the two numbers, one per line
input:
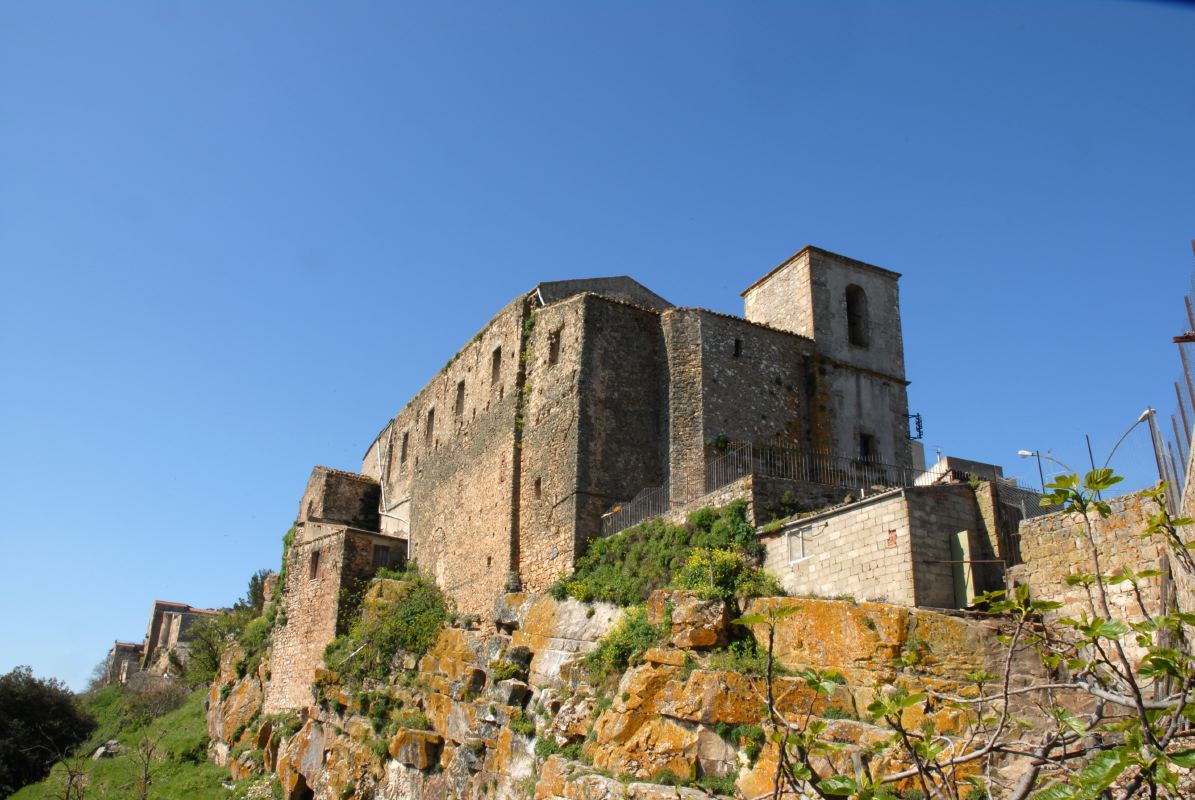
(402, 453)
(554, 347)
(431, 424)
(738, 347)
(459, 408)
(496, 366)
(538, 488)
(313, 571)
(857, 323)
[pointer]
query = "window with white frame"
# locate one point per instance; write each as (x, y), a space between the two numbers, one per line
(799, 544)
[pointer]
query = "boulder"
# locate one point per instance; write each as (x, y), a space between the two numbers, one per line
(572, 722)
(715, 755)
(696, 623)
(665, 655)
(109, 749)
(418, 749)
(511, 692)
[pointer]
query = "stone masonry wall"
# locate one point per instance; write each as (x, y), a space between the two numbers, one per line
(1054, 546)
(310, 605)
(863, 550)
(936, 514)
(775, 300)
(854, 389)
(686, 434)
(339, 496)
(311, 602)
(456, 486)
(752, 382)
(548, 475)
(877, 548)
(763, 496)
(622, 443)
(830, 276)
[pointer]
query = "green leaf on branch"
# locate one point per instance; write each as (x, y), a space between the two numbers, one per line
(1100, 479)
(838, 786)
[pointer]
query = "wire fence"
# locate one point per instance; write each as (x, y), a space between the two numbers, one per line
(1172, 443)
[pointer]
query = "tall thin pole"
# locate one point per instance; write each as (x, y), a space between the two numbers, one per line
(1182, 353)
(1177, 484)
(1178, 441)
(1153, 438)
(1182, 409)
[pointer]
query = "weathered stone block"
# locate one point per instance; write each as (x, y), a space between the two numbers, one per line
(418, 749)
(696, 623)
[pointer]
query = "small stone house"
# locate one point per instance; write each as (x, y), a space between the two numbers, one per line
(933, 546)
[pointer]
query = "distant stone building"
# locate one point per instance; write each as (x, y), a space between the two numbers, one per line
(124, 661)
(168, 634)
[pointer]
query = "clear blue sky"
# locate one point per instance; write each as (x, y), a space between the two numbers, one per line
(236, 237)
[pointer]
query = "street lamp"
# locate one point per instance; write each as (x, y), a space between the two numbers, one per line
(1146, 414)
(1041, 476)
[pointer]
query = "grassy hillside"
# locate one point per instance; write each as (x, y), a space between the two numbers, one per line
(179, 767)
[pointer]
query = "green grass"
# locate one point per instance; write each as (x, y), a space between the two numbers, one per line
(181, 736)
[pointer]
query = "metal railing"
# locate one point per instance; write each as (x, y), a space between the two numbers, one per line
(797, 464)
(1024, 500)
(770, 460)
(647, 504)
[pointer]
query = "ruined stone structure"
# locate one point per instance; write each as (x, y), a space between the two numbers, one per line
(167, 634)
(335, 544)
(580, 394)
(124, 661)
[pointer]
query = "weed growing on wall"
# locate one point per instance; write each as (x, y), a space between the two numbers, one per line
(627, 567)
(406, 623)
(624, 645)
(724, 574)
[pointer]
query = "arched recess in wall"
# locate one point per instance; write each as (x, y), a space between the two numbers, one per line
(858, 324)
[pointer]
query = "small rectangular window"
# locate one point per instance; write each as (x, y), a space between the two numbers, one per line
(459, 408)
(867, 446)
(538, 488)
(496, 366)
(431, 424)
(381, 556)
(554, 347)
(798, 541)
(314, 570)
(738, 347)
(402, 456)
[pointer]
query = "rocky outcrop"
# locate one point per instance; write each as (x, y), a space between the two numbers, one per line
(693, 623)
(555, 631)
(234, 705)
(512, 713)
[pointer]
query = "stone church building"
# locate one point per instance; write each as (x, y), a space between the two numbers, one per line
(576, 397)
